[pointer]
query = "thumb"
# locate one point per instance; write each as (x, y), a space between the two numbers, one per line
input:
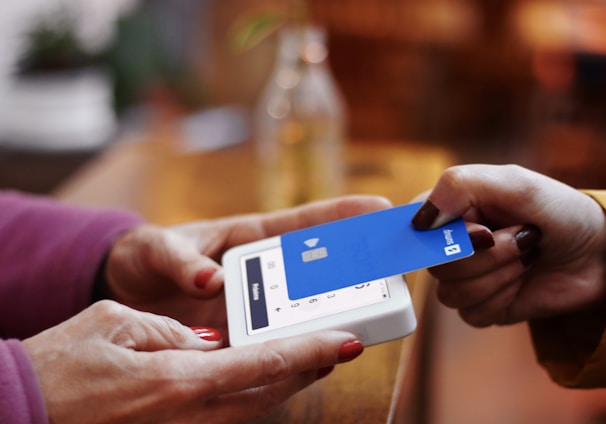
(461, 188)
(143, 331)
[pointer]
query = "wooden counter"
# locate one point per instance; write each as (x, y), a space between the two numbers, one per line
(156, 179)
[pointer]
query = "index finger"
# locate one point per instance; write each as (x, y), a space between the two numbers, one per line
(244, 229)
(320, 212)
(210, 374)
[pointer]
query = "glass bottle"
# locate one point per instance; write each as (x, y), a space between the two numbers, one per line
(300, 124)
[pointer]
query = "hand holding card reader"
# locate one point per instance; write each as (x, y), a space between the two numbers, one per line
(344, 275)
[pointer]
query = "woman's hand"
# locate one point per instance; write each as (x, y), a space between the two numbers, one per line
(549, 253)
(174, 271)
(113, 364)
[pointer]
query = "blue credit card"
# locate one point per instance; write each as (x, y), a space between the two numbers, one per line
(367, 247)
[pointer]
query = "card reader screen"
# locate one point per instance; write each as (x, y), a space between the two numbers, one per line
(269, 307)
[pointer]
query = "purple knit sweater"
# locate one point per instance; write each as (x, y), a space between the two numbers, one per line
(49, 257)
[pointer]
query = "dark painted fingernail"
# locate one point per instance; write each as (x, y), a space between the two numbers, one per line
(207, 333)
(203, 277)
(323, 372)
(350, 350)
(528, 258)
(528, 238)
(481, 239)
(425, 216)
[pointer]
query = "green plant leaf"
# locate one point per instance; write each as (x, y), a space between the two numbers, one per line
(52, 45)
(253, 31)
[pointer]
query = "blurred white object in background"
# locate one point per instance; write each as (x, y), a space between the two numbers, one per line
(63, 111)
(214, 129)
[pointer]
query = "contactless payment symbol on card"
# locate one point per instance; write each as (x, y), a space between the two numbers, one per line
(367, 247)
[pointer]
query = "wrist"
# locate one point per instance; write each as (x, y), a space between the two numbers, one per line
(599, 198)
(100, 290)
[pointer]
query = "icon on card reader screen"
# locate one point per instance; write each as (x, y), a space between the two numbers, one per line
(314, 253)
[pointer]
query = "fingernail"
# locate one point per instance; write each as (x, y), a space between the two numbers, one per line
(425, 216)
(207, 333)
(203, 277)
(529, 257)
(350, 350)
(528, 238)
(481, 239)
(323, 372)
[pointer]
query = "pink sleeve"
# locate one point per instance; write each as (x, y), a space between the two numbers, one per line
(49, 257)
(21, 400)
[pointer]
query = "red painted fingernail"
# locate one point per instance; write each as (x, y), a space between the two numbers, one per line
(323, 372)
(481, 239)
(207, 333)
(528, 238)
(350, 350)
(202, 277)
(425, 216)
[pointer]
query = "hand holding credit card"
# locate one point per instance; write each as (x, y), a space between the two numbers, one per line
(342, 275)
(367, 247)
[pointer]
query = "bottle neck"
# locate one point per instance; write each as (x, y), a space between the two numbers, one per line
(302, 46)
